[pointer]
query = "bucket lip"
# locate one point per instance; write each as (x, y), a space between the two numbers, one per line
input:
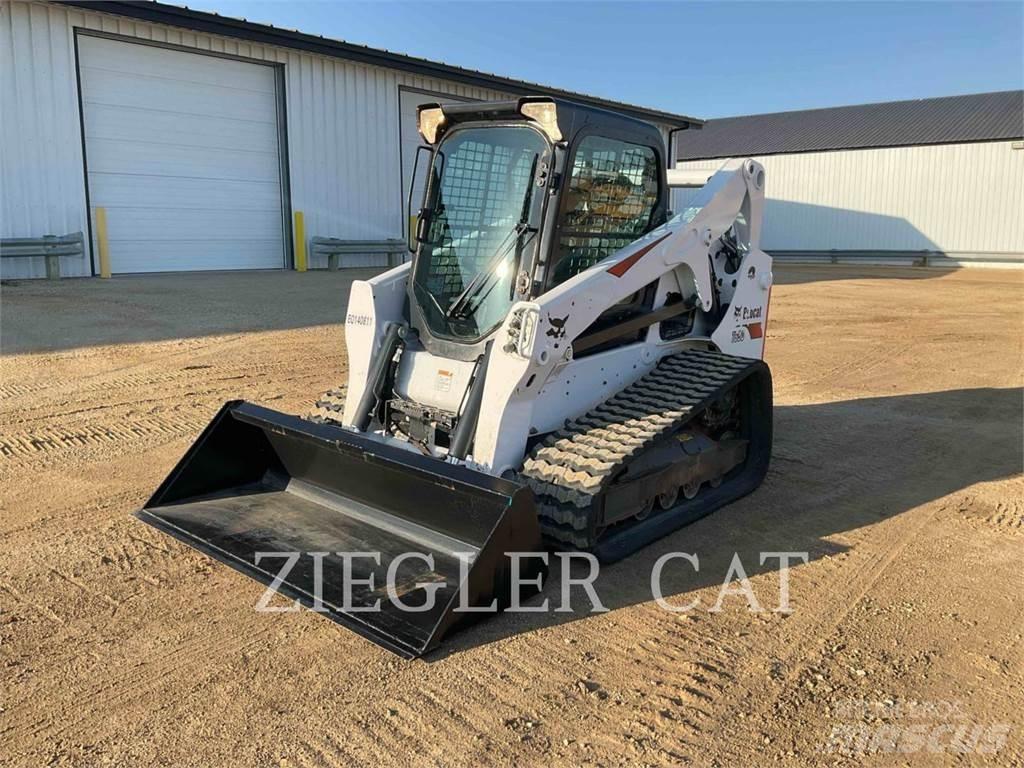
(349, 621)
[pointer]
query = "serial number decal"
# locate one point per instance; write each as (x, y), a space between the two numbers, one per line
(354, 319)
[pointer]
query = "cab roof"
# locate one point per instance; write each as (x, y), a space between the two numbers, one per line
(572, 118)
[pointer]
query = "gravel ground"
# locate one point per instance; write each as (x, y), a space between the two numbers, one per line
(897, 468)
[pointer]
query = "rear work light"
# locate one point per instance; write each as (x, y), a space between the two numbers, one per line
(431, 119)
(545, 113)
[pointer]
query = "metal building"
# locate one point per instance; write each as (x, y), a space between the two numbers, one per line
(199, 137)
(940, 180)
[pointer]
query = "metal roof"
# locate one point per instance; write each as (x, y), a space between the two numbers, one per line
(946, 120)
(215, 24)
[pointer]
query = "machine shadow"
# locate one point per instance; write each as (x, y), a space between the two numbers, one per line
(54, 315)
(790, 273)
(833, 470)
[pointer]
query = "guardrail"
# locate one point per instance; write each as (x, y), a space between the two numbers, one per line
(48, 247)
(901, 258)
(334, 250)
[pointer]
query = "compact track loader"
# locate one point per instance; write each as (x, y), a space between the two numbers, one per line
(563, 364)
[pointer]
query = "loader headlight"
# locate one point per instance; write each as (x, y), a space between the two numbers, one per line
(522, 331)
(431, 120)
(528, 332)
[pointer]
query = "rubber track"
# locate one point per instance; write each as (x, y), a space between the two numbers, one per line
(330, 406)
(573, 466)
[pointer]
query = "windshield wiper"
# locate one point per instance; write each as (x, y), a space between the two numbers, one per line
(459, 308)
(485, 277)
(429, 295)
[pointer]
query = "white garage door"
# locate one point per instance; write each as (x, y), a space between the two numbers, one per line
(182, 151)
(409, 100)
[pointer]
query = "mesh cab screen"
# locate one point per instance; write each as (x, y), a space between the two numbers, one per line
(483, 183)
(482, 192)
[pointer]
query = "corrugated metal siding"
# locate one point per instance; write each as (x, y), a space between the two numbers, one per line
(342, 121)
(42, 189)
(342, 125)
(959, 199)
(343, 137)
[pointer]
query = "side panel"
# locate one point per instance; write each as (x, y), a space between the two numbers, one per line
(742, 330)
(371, 305)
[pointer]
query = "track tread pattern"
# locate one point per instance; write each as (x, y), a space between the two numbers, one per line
(572, 466)
(329, 408)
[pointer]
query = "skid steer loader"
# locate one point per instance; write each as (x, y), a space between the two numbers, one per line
(563, 364)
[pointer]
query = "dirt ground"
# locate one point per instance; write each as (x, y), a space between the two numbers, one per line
(897, 469)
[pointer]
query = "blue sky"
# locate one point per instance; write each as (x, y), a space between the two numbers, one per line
(702, 59)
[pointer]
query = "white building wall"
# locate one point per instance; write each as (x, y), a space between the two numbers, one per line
(964, 200)
(42, 189)
(342, 124)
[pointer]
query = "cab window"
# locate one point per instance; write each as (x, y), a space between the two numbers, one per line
(608, 203)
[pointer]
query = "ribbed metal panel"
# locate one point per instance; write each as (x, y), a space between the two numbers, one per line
(342, 128)
(42, 188)
(947, 120)
(342, 121)
(958, 199)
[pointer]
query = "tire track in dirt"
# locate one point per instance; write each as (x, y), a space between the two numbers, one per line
(141, 374)
(141, 380)
(192, 659)
(1005, 516)
(329, 751)
(9, 390)
(840, 374)
(682, 671)
(95, 505)
(688, 679)
(833, 601)
(1008, 517)
(660, 721)
(126, 434)
(211, 394)
(43, 611)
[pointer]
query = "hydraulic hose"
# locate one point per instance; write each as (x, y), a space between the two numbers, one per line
(394, 333)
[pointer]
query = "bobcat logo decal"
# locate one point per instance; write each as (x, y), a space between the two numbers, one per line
(557, 329)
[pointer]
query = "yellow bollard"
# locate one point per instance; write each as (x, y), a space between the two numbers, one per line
(102, 242)
(300, 242)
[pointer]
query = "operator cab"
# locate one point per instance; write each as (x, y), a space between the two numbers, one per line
(519, 196)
